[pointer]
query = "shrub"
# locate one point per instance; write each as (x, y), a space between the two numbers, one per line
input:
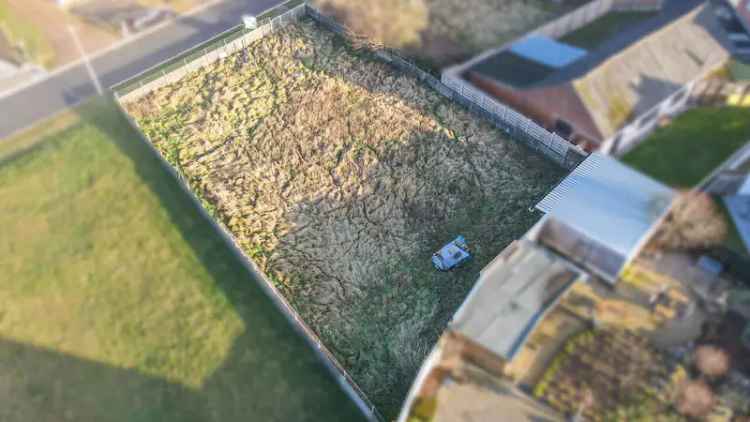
(695, 222)
(696, 399)
(392, 23)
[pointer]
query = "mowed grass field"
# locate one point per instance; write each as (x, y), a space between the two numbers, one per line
(118, 302)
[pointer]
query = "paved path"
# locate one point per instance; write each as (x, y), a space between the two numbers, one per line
(73, 85)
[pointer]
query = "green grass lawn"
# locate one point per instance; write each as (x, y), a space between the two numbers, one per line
(118, 301)
(687, 150)
(590, 36)
(20, 31)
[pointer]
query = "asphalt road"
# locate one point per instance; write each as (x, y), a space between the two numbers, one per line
(73, 85)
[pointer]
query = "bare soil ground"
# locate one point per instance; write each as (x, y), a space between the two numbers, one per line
(341, 176)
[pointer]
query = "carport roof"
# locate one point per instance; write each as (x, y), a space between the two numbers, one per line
(610, 203)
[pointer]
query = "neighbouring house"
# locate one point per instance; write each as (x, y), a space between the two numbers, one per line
(588, 92)
(736, 20)
(602, 215)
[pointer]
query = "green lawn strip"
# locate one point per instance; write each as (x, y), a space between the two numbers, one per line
(739, 71)
(687, 150)
(592, 35)
(26, 33)
(119, 301)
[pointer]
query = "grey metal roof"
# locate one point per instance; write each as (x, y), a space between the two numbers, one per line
(610, 203)
(511, 297)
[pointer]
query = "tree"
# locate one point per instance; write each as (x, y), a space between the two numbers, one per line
(694, 222)
(390, 23)
(695, 399)
(712, 361)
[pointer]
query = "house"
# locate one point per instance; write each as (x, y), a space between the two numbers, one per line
(588, 94)
(735, 18)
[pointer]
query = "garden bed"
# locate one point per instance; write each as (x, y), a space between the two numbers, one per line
(601, 30)
(340, 177)
(625, 378)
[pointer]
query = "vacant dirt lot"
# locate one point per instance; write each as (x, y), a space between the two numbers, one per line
(341, 176)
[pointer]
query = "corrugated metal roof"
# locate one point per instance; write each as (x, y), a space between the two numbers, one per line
(512, 296)
(609, 202)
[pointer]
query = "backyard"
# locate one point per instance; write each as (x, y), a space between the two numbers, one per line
(340, 177)
(119, 302)
(690, 147)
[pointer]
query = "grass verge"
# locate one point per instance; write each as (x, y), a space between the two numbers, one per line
(119, 302)
(22, 32)
(687, 150)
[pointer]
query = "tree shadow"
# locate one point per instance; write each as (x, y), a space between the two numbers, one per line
(59, 387)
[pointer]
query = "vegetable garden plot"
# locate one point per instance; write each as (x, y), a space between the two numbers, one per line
(340, 177)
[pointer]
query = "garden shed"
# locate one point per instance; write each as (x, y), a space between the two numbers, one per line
(512, 296)
(603, 214)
